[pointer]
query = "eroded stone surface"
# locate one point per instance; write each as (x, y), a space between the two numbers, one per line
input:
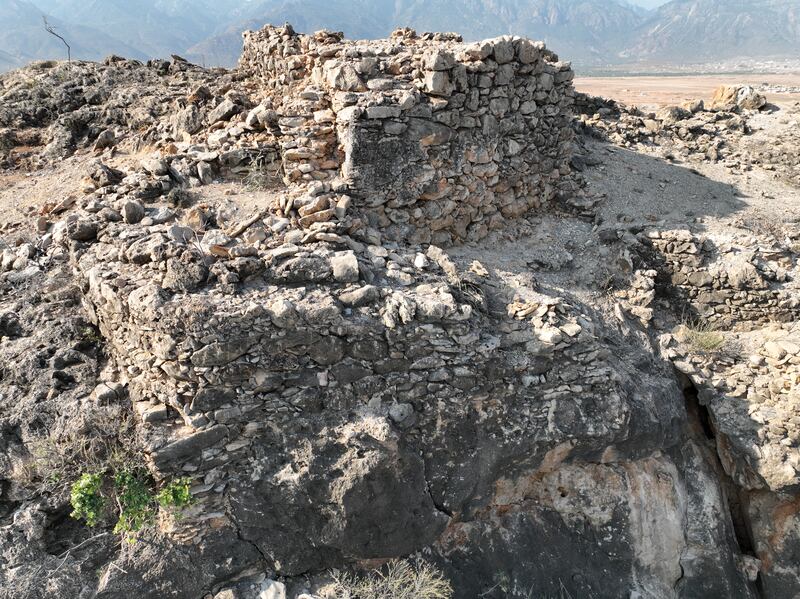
(341, 390)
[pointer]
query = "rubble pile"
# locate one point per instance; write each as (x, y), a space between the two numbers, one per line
(49, 110)
(687, 132)
(720, 132)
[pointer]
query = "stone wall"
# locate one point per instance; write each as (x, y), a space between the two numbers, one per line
(435, 140)
(325, 419)
(739, 283)
(402, 370)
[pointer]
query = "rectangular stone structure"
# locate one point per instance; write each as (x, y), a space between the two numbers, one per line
(435, 140)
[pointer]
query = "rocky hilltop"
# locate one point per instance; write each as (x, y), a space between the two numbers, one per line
(266, 331)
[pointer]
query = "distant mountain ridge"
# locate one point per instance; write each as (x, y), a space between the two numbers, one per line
(703, 30)
(23, 38)
(589, 32)
(582, 30)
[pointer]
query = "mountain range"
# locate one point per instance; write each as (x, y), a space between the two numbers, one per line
(589, 32)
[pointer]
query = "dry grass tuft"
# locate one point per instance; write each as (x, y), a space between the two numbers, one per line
(105, 438)
(397, 580)
(702, 337)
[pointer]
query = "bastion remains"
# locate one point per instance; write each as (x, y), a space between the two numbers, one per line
(335, 385)
(435, 140)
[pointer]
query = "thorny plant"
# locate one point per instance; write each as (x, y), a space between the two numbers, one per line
(261, 179)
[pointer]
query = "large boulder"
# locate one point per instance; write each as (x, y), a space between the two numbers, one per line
(741, 96)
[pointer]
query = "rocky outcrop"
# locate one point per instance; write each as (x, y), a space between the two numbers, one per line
(340, 390)
(737, 348)
(742, 96)
(417, 419)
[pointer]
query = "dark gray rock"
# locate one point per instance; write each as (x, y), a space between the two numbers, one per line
(374, 493)
(210, 398)
(184, 275)
(157, 567)
(327, 351)
(82, 230)
(223, 112)
(222, 352)
(303, 269)
(190, 446)
(132, 212)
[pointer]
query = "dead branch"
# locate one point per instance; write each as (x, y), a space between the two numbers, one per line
(52, 31)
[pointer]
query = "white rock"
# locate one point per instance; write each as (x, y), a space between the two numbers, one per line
(271, 589)
(345, 267)
(550, 335)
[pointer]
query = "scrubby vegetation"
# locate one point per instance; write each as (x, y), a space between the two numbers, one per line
(100, 465)
(87, 498)
(132, 492)
(397, 580)
(99, 439)
(703, 337)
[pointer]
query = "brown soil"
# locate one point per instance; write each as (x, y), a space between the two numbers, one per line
(658, 91)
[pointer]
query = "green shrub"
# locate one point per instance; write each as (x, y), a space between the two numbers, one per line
(132, 490)
(175, 494)
(136, 502)
(87, 499)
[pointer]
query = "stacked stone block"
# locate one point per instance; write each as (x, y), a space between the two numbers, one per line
(435, 140)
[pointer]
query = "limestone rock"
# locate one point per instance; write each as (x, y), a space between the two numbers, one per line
(742, 96)
(223, 112)
(345, 267)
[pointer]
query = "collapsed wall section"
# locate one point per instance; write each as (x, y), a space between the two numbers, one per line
(725, 284)
(326, 419)
(435, 140)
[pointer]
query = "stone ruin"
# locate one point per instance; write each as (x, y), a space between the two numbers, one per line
(312, 383)
(341, 390)
(434, 140)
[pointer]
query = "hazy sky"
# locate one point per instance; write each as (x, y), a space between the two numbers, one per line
(649, 3)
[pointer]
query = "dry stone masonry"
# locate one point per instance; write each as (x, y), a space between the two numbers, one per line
(437, 141)
(337, 388)
(281, 263)
(738, 281)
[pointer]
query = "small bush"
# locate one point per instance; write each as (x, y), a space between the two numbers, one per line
(175, 494)
(135, 500)
(132, 490)
(87, 499)
(44, 65)
(99, 439)
(90, 335)
(702, 337)
(397, 580)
